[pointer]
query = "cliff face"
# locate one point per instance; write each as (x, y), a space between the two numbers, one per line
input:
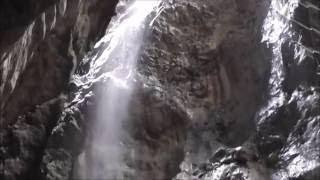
(223, 89)
(44, 49)
(41, 44)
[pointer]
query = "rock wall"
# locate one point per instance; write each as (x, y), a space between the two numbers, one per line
(48, 50)
(196, 90)
(285, 144)
(288, 128)
(41, 45)
(225, 89)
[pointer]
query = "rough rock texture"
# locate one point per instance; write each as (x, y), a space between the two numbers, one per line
(286, 142)
(48, 50)
(16, 16)
(155, 130)
(288, 128)
(214, 67)
(194, 59)
(41, 44)
(227, 163)
(22, 144)
(225, 90)
(196, 90)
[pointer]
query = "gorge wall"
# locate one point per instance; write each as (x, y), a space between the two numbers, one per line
(41, 44)
(224, 89)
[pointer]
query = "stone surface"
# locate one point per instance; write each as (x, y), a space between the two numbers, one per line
(47, 52)
(202, 90)
(193, 57)
(22, 143)
(41, 45)
(225, 90)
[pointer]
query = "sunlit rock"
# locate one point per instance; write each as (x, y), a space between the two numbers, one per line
(172, 89)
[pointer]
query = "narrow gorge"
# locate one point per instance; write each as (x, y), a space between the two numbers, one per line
(160, 90)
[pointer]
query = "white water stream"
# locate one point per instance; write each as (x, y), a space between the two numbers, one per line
(119, 48)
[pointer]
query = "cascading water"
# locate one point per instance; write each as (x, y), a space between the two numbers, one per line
(187, 95)
(119, 48)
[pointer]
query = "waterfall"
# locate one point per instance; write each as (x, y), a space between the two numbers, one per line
(114, 64)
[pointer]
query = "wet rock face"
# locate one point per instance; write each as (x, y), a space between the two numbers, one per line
(22, 143)
(196, 90)
(287, 135)
(198, 72)
(47, 51)
(211, 100)
(157, 134)
(227, 163)
(286, 142)
(301, 152)
(153, 138)
(41, 44)
(207, 59)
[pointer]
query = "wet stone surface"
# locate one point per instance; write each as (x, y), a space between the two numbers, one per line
(210, 101)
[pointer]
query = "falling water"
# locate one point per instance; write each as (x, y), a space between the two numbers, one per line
(114, 65)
